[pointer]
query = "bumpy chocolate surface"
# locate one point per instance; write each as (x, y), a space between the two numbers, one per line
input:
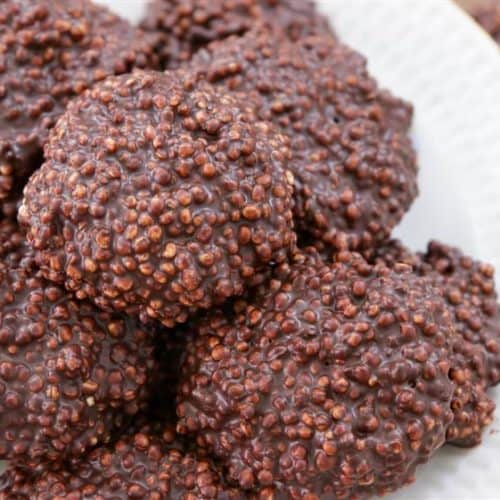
(354, 166)
(469, 289)
(147, 463)
(51, 51)
(333, 382)
(189, 25)
(160, 196)
(14, 248)
(70, 375)
(488, 16)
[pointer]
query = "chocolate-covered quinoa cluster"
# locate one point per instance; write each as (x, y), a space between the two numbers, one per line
(189, 25)
(469, 286)
(148, 462)
(51, 51)
(469, 289)
(70, 375)
(354, 165)
(199, 297)
(160, 195)
(331, 383)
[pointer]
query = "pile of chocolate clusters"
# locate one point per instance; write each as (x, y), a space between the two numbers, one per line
(199, 295)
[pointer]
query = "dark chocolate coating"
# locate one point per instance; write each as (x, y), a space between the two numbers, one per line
(469, 289)
(70, 375)
(149, 463)
(354, 166)
(160, 196)
(331, 383)
(188, 25)
(50, 51)
(14, 248)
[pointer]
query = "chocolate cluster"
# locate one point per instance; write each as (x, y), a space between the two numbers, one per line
(199, 294)
(354, 167)
(147, 462)
(160, 196)
(71, 374)
(186, 26)
(469, 289)
(332, 381)
(51, 51)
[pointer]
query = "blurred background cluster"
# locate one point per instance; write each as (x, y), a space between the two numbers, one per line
(486, 13)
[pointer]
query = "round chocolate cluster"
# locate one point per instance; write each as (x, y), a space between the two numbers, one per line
(354, 166)
(332, 381)
(160, 196)
(50, 51)
(186, 26)
(70, 374)
(148, 462)
(199, 297)
(469, 289)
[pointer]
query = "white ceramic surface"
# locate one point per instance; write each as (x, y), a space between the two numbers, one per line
(431, 53)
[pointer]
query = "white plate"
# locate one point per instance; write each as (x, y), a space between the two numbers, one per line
(431, 53)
